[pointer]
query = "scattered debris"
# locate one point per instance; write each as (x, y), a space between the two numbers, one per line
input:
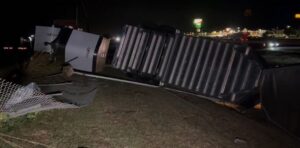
(17, 100)
(258, 106)
(22, 94)
(67, 71)
(79, 92)
(12, 141)
(238, 140)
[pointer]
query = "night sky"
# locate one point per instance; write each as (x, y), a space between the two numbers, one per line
(108, 16)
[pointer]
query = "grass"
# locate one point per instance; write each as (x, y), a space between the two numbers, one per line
(130, 116)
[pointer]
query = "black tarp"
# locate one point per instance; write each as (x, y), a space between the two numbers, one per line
(279, 90)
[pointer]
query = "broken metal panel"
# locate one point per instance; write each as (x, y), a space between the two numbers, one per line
(84, 51)
(183, 63)
(237, 74)
(205, 68)
(156, 55)
(44, 34)
(169, 58)
(212, 68)
(118, 58)
(177, 60)
(135, 49)
(190, 63)
(227, 72)
(149, 52)
(200, 65)
(101, 54)
(220, 69)
(246, 75)
(211, 75)
(167, 53)
(84, 46)
(196, 71)
(140, 51)
(129, 48)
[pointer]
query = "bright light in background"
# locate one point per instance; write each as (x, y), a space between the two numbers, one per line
(117, 39)
(30, 39)
(198, 24)
(228, 29)
(297, 16)
(8, 48)
(273, 44)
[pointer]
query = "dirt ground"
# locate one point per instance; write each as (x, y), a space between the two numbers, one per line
(131, 116)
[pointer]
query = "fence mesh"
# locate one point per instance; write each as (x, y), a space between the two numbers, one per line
(16, 100)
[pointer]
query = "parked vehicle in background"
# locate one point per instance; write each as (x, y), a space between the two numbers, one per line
(15, 53)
